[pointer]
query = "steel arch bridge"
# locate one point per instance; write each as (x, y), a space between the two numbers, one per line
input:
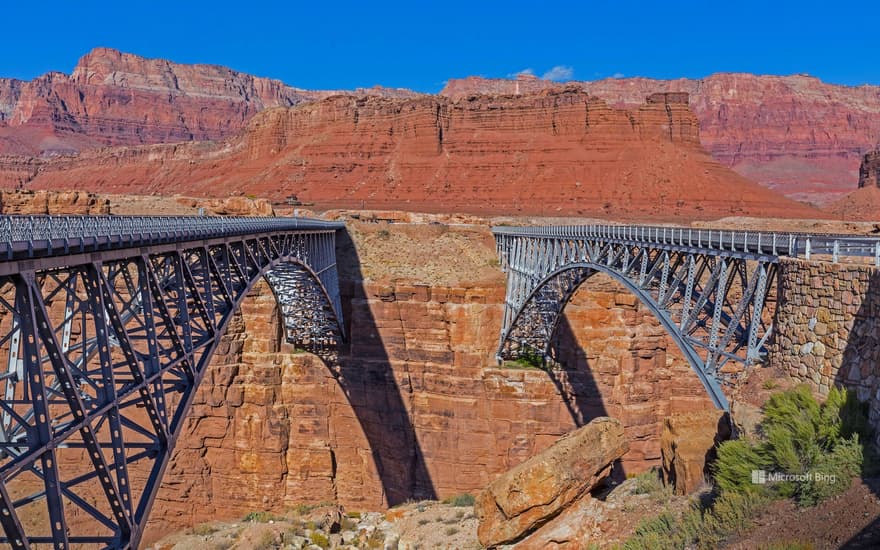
(709, 289)
(107, 326)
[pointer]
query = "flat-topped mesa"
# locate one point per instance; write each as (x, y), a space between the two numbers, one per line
(506, 123)
(763, 126)
(869, 172)
(558, 151)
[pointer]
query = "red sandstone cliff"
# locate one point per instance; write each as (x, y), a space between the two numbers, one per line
(114, 98)
(554, 152)
(795, 134)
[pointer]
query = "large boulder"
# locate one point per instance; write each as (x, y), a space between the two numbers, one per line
(535, 491)
(687, 443)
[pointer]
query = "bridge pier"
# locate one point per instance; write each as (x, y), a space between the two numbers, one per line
(828, 328)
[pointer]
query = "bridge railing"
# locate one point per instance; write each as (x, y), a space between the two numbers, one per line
(43, 233)
(804, 245)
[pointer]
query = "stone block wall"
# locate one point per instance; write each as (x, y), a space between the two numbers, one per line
(827, 328)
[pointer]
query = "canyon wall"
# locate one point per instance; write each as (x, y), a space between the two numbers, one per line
(869, 171)
(418, 407)
(795, 134)
(115, 98)
(557, 152)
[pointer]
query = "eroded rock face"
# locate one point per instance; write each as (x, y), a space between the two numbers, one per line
(762, 126)
(688, 444)
(420, 408)
(556, 152)
(539, 488)
(570, 530)
(51, 202)
(869, 172)
(115, 98)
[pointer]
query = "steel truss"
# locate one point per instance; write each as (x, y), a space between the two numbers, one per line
(105, 345)
(709, 289)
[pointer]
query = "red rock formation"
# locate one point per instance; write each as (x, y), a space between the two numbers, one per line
(271, 428)
(50, 202)
(795, 134)
(537, 490)
(114, 98)
(688, 444)
(869, 172)
(555, 152)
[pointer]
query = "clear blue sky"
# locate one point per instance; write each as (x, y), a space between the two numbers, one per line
(418, 45)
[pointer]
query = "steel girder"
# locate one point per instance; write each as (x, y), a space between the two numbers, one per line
(103, 360)
(712, 303)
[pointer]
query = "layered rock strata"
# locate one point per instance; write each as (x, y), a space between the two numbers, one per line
(115, 98)
(795, 134)
(869, 171)
(419, 408)
(556, 152)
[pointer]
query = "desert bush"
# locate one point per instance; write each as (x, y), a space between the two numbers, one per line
(698, 527)
(204, 529)
(266, 541)
(319, 539)
(464, 499)
(823, 443)
(648, 483)
(262, 517)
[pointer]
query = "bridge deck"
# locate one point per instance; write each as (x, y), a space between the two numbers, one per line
(54, 241)
(764, 245)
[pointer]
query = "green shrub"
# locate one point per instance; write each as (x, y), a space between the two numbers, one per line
(734, 465)
(262, 517)
(376, 539)
(204, 529)
(319, 539)
(697, 527)
(825, 444)
(731, 513)
(648, 483)
(266, 541)
(451, 531)
(463, 499)
(657, 533)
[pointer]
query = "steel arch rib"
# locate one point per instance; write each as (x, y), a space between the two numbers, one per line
(696, 362)
(185, 296)
(159, 469)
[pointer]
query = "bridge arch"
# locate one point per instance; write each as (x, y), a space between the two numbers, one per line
(106, 341)
(711, 290)
(532, 326)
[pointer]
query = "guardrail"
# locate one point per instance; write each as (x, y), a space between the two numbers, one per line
(804, 245)
(41, 235)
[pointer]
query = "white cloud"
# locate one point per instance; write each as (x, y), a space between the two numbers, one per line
(618, 75)
(529, 72)
(559, 73)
